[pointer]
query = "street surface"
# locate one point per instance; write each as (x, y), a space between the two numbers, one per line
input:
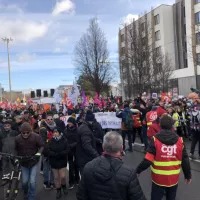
(185, 192)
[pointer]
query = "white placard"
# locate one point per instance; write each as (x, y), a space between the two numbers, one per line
(106, 119)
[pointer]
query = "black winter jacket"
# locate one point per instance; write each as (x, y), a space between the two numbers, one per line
(43, 132)
(107, 178)
(98, 133)
(16, 127)
(58, 151)
(7, 141)
(86, 145)
(168, 138)
(60, 124)
(71, 136)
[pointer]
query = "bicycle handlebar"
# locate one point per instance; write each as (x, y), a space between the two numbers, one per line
(11, 156)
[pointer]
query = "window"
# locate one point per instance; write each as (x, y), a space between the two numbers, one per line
(198, 18)
(185, 29)
(142, 27)
(132, 46)
(157, 19)
(157, 35)
(123, 51)
(122, 38)
(197, 1)
(185, 47)
(157, 51)
(198, 59)
(144, 41)
(198, 38)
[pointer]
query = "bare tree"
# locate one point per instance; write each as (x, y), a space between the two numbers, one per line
(162, 72)
(137, 55)
(148, 69)
(92, 57)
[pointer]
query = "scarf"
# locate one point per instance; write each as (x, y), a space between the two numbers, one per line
(52, 126)
(58, 138)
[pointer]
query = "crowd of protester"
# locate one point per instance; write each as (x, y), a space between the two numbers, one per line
(43, 135)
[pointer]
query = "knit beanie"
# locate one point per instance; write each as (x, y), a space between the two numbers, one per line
(89, 116)
(57, 129)
(25, 127)
(7, 122)
(72, 120)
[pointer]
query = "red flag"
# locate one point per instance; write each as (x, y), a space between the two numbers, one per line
(69, 103)
(65, 98)
(103, 102)
(165, 97)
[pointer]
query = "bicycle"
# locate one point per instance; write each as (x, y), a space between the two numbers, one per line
(15, 177)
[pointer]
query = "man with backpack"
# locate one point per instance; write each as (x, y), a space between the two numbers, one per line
(126, 126)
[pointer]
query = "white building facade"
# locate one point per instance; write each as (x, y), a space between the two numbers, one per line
(176, 31)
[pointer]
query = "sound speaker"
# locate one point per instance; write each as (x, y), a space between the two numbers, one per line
(32, 94)
(52, 92)
(45, 93)
(38, 93)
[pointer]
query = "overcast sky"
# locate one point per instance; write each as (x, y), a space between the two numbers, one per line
(46, 31)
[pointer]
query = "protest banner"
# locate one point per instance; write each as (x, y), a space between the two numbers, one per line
(154, 95)
(106, 119)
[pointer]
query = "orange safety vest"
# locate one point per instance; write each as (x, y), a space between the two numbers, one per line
(150, 117)
(166, 166)
(137, 121)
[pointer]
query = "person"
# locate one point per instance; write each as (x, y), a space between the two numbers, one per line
(53, 109)
(166, 155)
(71, 135)
(137, 127)
(29, 143)
(7, 145)
(98, 134)
(46, 132)
(86, 143)
(107, 177)
(1, 121)
(18, 122)
(28, 118)
(58, 151)
(126, 125)
(80, 118)
(195, 130)
(59, 122)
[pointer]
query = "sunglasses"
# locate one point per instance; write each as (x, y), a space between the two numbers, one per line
(25, 133)
(50, 119)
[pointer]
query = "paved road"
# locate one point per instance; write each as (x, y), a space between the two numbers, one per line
(185, 192)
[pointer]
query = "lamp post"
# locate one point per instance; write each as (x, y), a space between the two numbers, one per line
(8, 40)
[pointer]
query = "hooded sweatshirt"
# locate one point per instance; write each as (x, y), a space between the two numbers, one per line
(167, 137)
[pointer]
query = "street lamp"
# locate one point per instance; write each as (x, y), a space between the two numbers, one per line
(8, 40)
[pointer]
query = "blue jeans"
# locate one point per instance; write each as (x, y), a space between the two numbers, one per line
(29, 177)
(47, 172)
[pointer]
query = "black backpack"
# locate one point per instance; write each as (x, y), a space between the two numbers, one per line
(129, 122)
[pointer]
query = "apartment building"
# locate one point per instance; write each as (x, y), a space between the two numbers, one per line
(176, 32)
